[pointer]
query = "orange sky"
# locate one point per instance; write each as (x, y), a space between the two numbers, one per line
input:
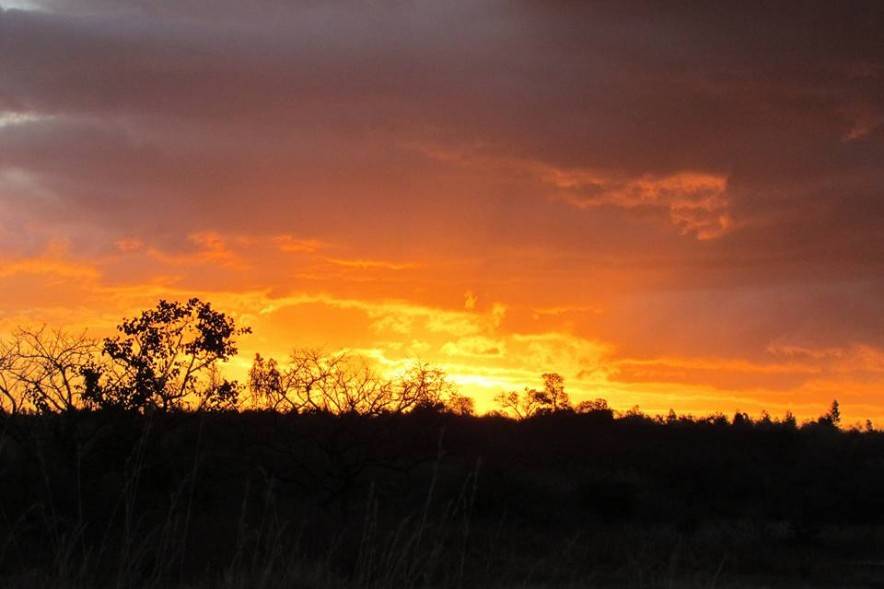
(671, 208)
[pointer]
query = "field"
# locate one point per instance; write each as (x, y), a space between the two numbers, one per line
(434, 499)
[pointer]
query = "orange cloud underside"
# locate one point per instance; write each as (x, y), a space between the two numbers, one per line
(487, 335)
(659, 211)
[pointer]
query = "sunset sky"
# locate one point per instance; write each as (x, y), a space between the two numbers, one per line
(671, 206)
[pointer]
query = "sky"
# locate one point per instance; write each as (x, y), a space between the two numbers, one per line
(673, 205)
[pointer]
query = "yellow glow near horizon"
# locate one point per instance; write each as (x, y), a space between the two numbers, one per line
(485, 347)
(633, 224)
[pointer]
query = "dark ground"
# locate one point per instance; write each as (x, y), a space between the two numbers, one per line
(431, 499)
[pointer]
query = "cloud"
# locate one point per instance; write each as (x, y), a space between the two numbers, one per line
(290, 244)
(9, 119)
(674, 123)
(476, 346)
(470, 300)
(54, 263)
(696, 202)
(485, 356)
(708, 177)
(372, 264)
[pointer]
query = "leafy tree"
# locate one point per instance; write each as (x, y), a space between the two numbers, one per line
(834, 414)
(166, 358)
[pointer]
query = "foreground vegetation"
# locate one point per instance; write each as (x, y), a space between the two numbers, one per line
(133, 463)
(431, 498)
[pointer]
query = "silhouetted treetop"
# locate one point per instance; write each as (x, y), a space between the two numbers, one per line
(311, 381)
(551, 399)
(42, 370)
(166, 358)
(169, 358)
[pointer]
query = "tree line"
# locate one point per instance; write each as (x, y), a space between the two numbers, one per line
(168, 359)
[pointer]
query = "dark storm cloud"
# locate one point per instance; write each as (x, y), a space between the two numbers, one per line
(642, 90)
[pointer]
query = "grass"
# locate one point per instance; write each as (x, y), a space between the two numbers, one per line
(168, 505)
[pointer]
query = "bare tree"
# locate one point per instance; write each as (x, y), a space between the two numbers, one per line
(266, 384)
(593, 406)
(521, 407)
(44, 370)
(340, 384)
(460, 404)
(554, 395)
(10, 398)
(217, 393)
(304, 384)
(551, 399)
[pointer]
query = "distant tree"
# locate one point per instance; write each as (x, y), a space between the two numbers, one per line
(166, 358)
(266, 384)
(9, 399)
(45, 370)
(422, 386)
(551, 399)
(512, 403)
(634, 411)
(592, 406)
(554, 390)
(336, 383)
(460, 404)
(218, 393)
(834, 414)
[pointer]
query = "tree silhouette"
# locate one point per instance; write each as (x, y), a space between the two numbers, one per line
(460, 404)
(834, 414)
(551, 399)
(592, 406)
(340, 384)
(554, 393)
(9, 399)
(166, 358)
(43, 370)
(267, 386)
